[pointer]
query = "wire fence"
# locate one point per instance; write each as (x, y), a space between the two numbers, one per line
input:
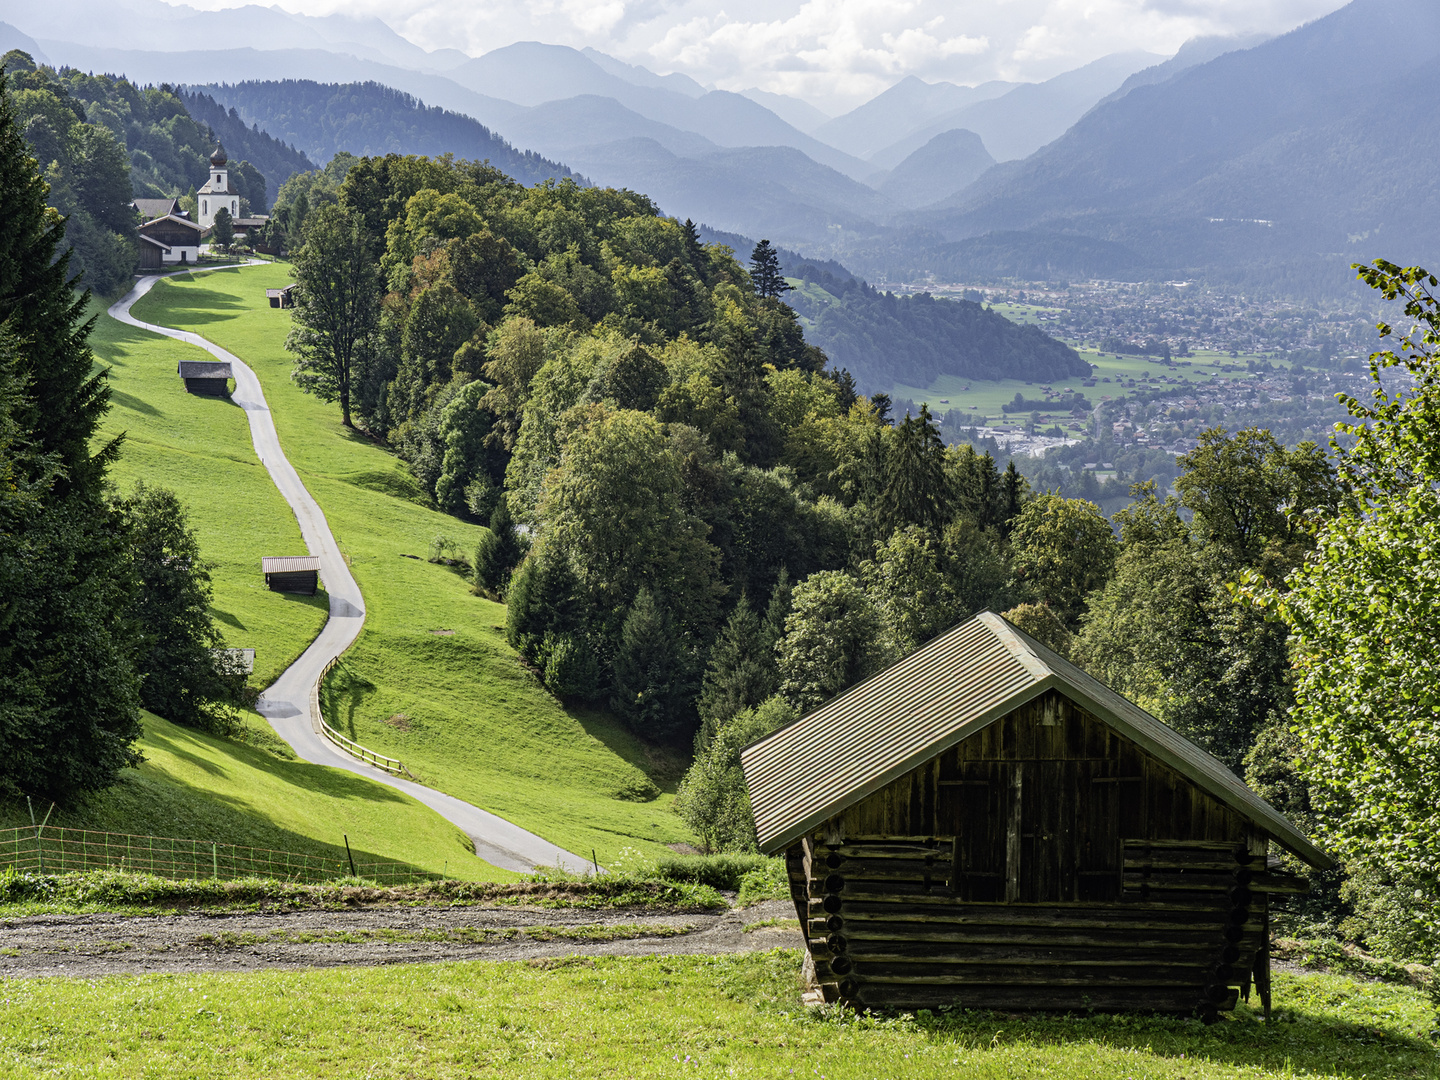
(54, 850)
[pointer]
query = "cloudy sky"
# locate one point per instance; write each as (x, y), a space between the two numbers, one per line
(834, 53)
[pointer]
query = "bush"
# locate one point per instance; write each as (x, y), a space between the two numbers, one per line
(724, 871)
(769, 882)
(571, 667)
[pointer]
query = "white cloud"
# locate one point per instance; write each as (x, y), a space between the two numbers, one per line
(834, 52)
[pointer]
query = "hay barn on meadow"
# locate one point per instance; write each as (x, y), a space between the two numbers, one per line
(985, 825)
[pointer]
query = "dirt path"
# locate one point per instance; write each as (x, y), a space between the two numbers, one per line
(87, 946)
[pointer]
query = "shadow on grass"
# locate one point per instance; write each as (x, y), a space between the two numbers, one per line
(194, 305)
(1298, 1041)
(343, 692)
(228, 619)
(662, 765)
(130, 401)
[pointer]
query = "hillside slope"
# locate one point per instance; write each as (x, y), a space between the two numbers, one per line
(431, 680)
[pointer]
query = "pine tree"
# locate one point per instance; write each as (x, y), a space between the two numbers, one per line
(65, 398)
(651, 672)
(498, 552)
(222, 232)
(917, 489)
(69, 694)
(742, 671)
(765, 272)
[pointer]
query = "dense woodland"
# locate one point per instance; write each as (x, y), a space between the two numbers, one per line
(886, 339)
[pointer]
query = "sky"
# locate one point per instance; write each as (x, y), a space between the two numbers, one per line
(833, 53)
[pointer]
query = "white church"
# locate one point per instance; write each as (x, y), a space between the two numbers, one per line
(217, 192)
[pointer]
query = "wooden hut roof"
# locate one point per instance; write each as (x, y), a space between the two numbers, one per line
(156, 208)
(289, 564)
(830, 759)
(204, 369)
(171, 219)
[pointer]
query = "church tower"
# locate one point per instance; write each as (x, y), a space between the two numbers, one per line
(217, 191)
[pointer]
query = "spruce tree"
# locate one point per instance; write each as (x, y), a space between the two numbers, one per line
(765, 272)
(64, 399)
(742, 671)
(69, 693)
(651, 672)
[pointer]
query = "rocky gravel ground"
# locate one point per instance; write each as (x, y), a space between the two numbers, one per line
(87, 946)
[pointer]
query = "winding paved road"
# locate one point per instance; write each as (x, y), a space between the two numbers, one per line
(286, 703)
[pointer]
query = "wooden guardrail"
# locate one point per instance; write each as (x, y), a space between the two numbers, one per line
(381, 761)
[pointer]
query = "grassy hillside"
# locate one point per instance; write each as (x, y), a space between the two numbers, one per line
(431, 680)
(663, 1016)
(200, 448)
(197, 787)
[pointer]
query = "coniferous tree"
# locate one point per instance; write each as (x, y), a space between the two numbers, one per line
(917, 490)
(765, 272)
(184, 680)
(69, 693)
(651, 672)
(498, 552)
(742, 671)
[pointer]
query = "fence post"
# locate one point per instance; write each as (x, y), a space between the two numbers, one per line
(215, 859)
(39, 845)
(349, 856)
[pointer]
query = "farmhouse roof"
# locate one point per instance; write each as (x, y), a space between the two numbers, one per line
(154, 208)
(203, 369)
(849, 748)
(158, 243)
(175, 219)
(289, 564)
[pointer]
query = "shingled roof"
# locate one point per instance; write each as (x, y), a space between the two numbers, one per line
(203, 369)
(810, 770)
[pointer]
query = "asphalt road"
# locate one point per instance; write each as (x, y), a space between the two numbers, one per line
(286, 703)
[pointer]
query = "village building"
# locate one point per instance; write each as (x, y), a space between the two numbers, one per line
(985, 825)
(208, 378)
(281, 298)
(292, 573)
(217, 194)
(169, 240)
(150, 209)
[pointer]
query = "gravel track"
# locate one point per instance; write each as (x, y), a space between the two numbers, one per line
(89, 946)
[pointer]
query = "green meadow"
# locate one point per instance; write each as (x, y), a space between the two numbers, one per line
(432, 680)
(640, 1018)
(197, 787)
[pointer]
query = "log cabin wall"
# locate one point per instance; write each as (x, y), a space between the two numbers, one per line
(1045, 862)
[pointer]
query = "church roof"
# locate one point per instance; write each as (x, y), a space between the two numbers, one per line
(218, 158)
(876, 732)
(211, 189)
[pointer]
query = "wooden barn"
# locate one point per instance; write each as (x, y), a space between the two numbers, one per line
(292, 573)
(281, 298)
(985, 825)
(209, 378)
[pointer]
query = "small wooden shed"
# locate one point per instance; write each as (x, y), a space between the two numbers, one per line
(281, 298)
(292, 573)
(209, 378)
(986, 825)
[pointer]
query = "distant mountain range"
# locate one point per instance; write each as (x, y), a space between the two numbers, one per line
(1314, 149)
(1237, 158)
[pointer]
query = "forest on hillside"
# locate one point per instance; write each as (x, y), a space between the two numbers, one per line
(325, 119)
(884, 339)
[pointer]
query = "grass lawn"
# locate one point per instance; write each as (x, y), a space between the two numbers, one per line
(731, 1016)
(200, 448)
(456, 707)
(193, 786)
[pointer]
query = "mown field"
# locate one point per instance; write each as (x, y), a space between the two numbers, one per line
(432, 680)
(727, 1016)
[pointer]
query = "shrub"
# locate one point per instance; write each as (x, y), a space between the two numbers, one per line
(723, 871)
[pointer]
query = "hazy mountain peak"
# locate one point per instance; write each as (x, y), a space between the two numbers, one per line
(641, 76)
(795, 112)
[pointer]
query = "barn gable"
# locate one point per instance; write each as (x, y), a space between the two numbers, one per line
(985, 825)
(809, 771)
